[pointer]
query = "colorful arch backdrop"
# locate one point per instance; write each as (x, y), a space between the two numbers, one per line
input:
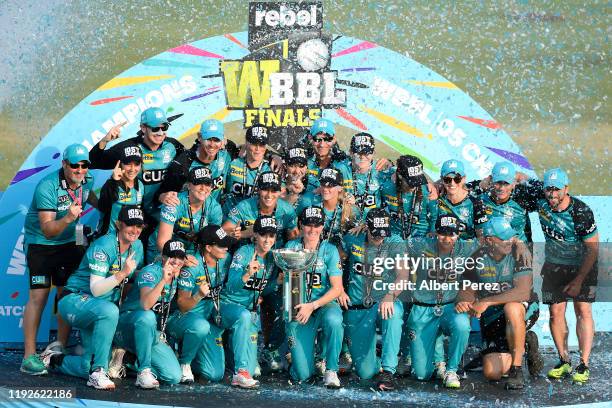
(402, 103)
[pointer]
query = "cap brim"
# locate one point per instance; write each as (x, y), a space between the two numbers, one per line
(363, 150)
(329, 183)
(266, 230)
(268, 186)
(132, 222)
(201, 181)
(447, 231)
(131, 159)
(296, 161)
(176, 254)
(212, 135)
(415, 181)
(458, 173)
(313, 221)
(505, 180)
(227, 242)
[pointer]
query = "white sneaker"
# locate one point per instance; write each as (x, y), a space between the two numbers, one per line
(187, 375)
(146, 379)
(441, 370)
(116, 369)
(243, 379)
(345, 362)
(331, 380)
(404, 366)
(451, 380)
(321, 367)
(100, 381)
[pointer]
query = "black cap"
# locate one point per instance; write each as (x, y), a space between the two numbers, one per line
(411, 170)
(265, 224)
(174, 248)
(312, 216)
(296, 155)
(362, 143)
(131, 153)
(331, 177)
(131, 215)
(200, 175)
(215, 235)
(378, 222)
(448, 224)
(257, 134)
(269, 180)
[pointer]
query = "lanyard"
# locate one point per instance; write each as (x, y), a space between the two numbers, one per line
(365, 190)
(120, 267)
(406, 231)
(163, 318)
(327, 233)
(214, 292)
(191, 223)
(260, 286)
(245, 193)
(76, 198)
(310, 282)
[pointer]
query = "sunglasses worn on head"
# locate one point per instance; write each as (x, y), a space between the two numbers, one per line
(321, 139)
(457, 179)
(77, 165)
(163, 127)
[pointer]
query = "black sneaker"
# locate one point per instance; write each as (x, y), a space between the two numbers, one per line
(515, 379)
(535, 362)
(385, 381)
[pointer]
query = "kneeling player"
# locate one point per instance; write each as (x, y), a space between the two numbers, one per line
(506, 307)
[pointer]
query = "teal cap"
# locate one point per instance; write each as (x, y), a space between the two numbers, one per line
(212, 128)
(75, 153)
(499, 227)
(452, 166)
(153, 117)
(556, 178)
(322, 125)
(503, 171)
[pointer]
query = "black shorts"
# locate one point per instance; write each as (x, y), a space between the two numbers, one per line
(52, 263)
(555, 277)
(494, 334)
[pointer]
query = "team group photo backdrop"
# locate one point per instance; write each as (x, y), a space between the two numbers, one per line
(526, 82)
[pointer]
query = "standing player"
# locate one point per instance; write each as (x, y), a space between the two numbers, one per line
(122, 188)
(158, 150)
(321, 311)
(211, 150)
(363, 312)
(50, 244)
(245, 171)
(251, 272)
(507, 310)
(196, 209)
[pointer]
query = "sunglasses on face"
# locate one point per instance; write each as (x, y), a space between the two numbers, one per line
(79, 165)
(457, 179)
(321, 139)
(163, 127)
(552, 189)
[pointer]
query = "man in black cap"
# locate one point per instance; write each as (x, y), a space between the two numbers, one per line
(267, 202)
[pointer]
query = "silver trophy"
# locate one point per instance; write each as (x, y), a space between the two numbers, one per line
(294, 263)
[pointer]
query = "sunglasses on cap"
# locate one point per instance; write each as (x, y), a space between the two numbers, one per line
(163, 127)
(79, 165)
(457, 179)
(321, 139)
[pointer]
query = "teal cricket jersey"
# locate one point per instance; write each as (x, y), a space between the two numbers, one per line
(503, 272)
(132, 196)
(247, 211)
(433, 267)
(470, 211)
(423, 214)
(149, 277)
(192, 277)
(565, 230)
(327, 265)
(182, 221)
(238, 186)
(246, 294)
(332, 218)
(358, 251)
(154, 166)
(102, 259)
(53, 194)
(366, 187)
(219, 169)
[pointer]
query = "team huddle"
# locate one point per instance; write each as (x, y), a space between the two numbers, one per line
(179, 281)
